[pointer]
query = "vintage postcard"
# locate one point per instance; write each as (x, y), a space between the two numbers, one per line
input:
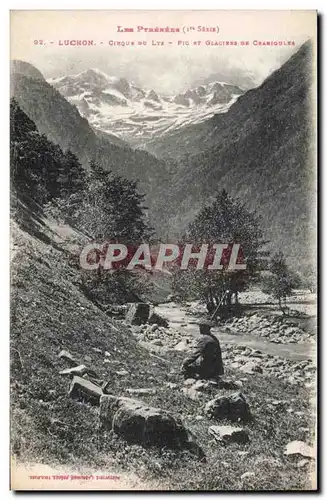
(163, 250)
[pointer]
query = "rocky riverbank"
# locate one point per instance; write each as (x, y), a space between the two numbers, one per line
(277, 329)
(238, 357)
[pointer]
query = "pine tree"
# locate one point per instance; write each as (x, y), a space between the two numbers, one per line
(113, 209)
(281, 281)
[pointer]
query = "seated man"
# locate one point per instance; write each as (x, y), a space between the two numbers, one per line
(206, 361)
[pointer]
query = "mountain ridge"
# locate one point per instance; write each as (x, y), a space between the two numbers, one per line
(114, 105)
(261, 151)
(62, 124)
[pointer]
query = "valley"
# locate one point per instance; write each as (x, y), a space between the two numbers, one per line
(97, 387)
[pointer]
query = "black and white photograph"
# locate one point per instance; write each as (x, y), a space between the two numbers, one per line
(163, 253)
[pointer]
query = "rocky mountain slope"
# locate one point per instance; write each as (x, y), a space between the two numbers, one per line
(62, 124)
(262, 151)
(114, 105)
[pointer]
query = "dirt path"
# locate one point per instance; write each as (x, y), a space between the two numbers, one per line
(180, 319)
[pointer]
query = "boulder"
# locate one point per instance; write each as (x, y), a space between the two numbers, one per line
(138, 313)
(139, 423)
(155, 318)
(233, 407)
(85, 391)
(300, 448)
(229, 434)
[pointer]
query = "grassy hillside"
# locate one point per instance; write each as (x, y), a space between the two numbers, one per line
(50, 313)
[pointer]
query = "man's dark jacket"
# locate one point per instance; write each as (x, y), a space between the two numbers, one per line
(209, 352)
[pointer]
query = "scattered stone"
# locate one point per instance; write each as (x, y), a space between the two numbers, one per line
(157, 342)
(278, 403)
(141, 392)
(251, 368)
(171, 385)
(190, 393)
(107, 354)
(247, 475)
(85, 390)
(224, 383)
(76, 370)
(136, 422)
(153, 348)
(302, 463)
(183, 345)
(189, 381)
(200, 385)
(233, 407)
(68, 357)
(304, 429)
(122, 373)
(228, 434)
(116, 311)
(96, 349)
(155, 318)
(138, 313)
(88, 359)
(300, 448)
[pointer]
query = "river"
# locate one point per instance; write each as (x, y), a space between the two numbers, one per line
(183, 321)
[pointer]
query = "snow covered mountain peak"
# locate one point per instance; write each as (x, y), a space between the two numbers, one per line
(115, 105)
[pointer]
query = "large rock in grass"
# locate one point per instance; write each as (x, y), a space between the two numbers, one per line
(139, 423)
(85, 391)
(138, 313)
(233, 407)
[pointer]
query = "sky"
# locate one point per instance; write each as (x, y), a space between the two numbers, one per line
(168, 68)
